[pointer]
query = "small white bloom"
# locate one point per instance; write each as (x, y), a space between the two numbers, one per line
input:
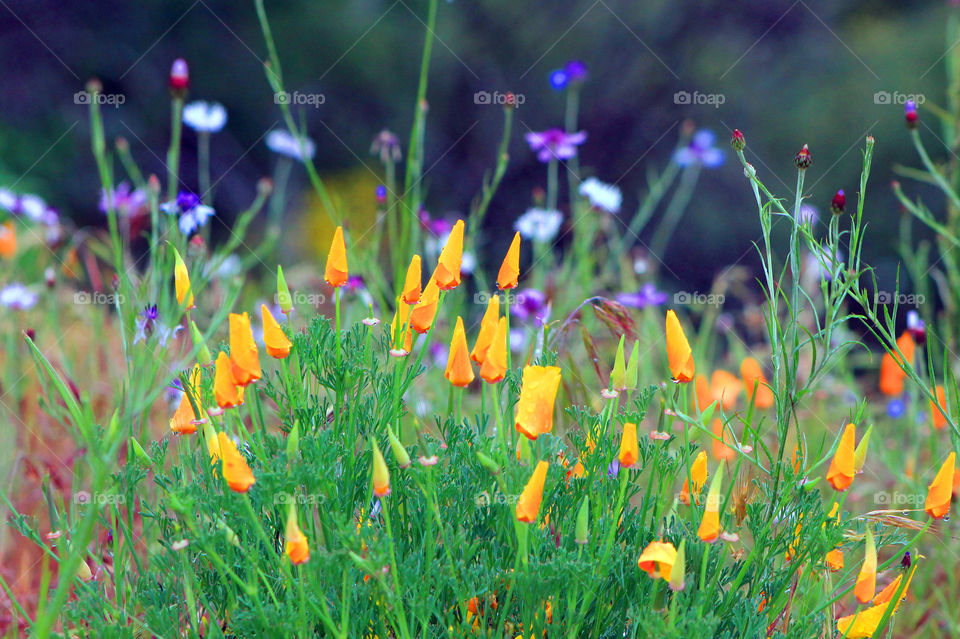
(283, 143)
(539, 225)
(194, 218)
(205, 116)
(33, 207)
(603, 196)
(18, 297)
(8, 199)
(468, 263)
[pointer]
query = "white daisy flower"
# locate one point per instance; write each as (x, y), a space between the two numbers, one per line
(208, 117)
(539, 225)
(282, 142)
(603, 196)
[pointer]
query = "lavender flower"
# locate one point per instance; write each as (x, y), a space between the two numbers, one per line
(387, 146)
(573, 72)
(529, 303)
(555, 144)
(896, 408)
(539, 225)
(602, 196)
(17, 297)
(126, 202)
(206, 117)
(809, 214)
(700, 151)
(281, 142)
(148, 325)
(193, 213)
(648, 295)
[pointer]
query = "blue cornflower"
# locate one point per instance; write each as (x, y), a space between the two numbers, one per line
(193, 213)
(700, 151)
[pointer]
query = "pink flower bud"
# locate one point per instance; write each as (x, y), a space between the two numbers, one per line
(179, 75)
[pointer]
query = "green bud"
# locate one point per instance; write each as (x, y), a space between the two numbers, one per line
(399, 452)
(114, 425)
(231, 536)
(487, 462)
(284, 299)
(582, 534)
(860, 452)
(633, 368)
(139, 453)
(293, 441)
(679, 568)
(203, 353)
(618, 374)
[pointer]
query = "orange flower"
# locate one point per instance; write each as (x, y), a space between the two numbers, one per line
(939, 421)
(657, 559)
(181, 282)
(887, 593)
(448, 266)
(710, 524)
(184, 420)
(720, 449)
(423, 314)
(488, 326)
(843, 466)
(8, 239)
(510, 269)
(244, 356)
(225, 390)
(701, 388)
(277, 343)
(296, 545)
(891, 375)
(538, 392)
(528, 505)
(698, 472)
(724, 388)
(835, 560)
(235, 468)
(336, 271)
(459, 371)
(756, 383)
(381, 474)
(494, 366)
(867, 579)
(865, 623)
(679, 352)
(413, 282)
(941, 490)
(629, 448)
(400, 327)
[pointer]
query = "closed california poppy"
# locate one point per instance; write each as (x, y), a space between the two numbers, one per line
(891, 375)
(236, 471)
(709, 529)
(185, 420)
(413, 282)
(657, 559)
(423, 314)
(459, 370)
(336, 272)
(538, 392)
(864, 623)
(843, 466)
(494, 366)
(8, 239)
(866, 585)
(698, 473)
(296, 545)
(276, 341)
(679, 353)
(381, 474)
(181, 282)
(835, 560)
(755, 383)
(629, 448)
(488, 326)
(510, 269)
(941, 489)
(244, 356)
(939, 421)
(225, 390)
(451, 256)
(528, 505)
(401, 334)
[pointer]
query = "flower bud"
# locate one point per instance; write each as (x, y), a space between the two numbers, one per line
(179, 77)
(582, 531)
(910, 114)
(803, 159)
(293, 441)
(632, 378)
(619, 373)
(738, 142)
(838, 202)
(283, 293)
(204, 357)
(487, 462)
(399, 452)
(679, 568)
(916, 327)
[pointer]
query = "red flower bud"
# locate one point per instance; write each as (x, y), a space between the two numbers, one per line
(910, 114)
(179, 75)
(803, 159)
(838, 203)
(738, 142)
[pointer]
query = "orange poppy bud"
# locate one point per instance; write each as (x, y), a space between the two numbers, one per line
(236, 471)
(181, 281)
(448, 266)
(698, 473)
(528, 505)
(423, 314)
(679, 353)
(887, 593)
(8, 240)
(277, 343)
(710, 524)
(488, 326)
(510, 269)
(494, 366)
(336, 271)
(381, 474)
(941, 490)
(843, 466)
(866, 585)
(835, 560)
(865, 623)
(538, 392)
(184, 420)
(891, 375)
(296, 545)
(400, 327)
(244, 356)
(657, 559)
(756, 383)
(225, 390)
(413, 282)
(459, 370)
(629, 448)
(720, 449)
(939, 421)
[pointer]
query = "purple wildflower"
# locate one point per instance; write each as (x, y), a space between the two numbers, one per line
(529, 303)
(126, 202)
(381, 193)
(193, 213)
(648, 295)
(555, 144)
(614, 469)
(17, 297)
(700, 151)
(896, 408)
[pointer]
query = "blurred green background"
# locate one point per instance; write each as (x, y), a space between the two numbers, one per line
(790, 73)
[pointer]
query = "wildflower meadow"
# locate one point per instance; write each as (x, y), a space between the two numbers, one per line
(452, 425)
